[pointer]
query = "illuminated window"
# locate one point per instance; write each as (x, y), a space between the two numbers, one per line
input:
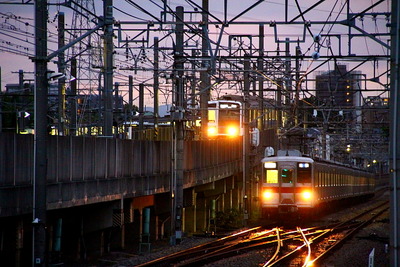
(211, 115)
(272, 176)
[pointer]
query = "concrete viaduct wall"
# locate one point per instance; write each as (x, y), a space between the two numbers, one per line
(88, 170)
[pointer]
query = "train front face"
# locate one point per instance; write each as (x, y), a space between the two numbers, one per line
(287, 185)
(224, 119)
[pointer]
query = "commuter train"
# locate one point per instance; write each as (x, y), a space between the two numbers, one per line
(293, 183)
(225, 119)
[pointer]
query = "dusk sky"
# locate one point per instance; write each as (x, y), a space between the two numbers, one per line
(17, 28)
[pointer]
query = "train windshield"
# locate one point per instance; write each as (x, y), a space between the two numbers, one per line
(229, 116)
(287, 175)
(304, 173)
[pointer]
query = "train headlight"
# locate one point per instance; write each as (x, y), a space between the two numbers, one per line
(267, 194)
(212, 131)
(307, 195)
(304, 165)
(232, 131)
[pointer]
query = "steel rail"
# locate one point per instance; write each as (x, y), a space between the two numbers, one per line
(278, 248)
(243, 246)
(347, 236)
(307, 243)
(203, 248)
(347, 225)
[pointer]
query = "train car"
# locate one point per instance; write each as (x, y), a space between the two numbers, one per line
(293, 183)
(225, 119)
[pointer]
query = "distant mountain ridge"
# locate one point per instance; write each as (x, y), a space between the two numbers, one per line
(163, 110)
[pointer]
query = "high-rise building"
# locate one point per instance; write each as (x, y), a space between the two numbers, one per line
(338, 87)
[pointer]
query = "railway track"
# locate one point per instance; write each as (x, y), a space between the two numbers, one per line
(283, 247)
(309, 248)
(204, 249)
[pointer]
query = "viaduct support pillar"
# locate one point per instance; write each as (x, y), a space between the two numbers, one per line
(190, 215)
(201, 217)
(20, 241)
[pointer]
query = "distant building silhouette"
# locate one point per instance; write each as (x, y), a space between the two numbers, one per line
(339, 87)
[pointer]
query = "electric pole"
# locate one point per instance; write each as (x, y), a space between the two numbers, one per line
(61, 69)
(178, 115)
(204, 76)
(108, 67)
(40, 136)
(246, 138)
(156, 86)
(394, 137)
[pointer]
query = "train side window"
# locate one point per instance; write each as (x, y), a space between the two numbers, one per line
(287, 175)
(272, 177)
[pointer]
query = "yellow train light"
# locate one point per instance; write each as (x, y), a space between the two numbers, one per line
(307, 195)
(232, 131)
(212, 131)
(267, 194)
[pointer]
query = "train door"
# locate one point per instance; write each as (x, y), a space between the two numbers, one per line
(287, 175)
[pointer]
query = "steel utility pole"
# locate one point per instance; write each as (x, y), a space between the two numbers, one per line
(260, 66)
(156, 86)
(108, 67)
(395, 136)
(204, 76)
(40, 136)
(178, 120)
(246, 139)
(73, 126)
(61, 69)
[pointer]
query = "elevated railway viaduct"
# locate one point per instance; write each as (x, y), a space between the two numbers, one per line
(105, 193)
